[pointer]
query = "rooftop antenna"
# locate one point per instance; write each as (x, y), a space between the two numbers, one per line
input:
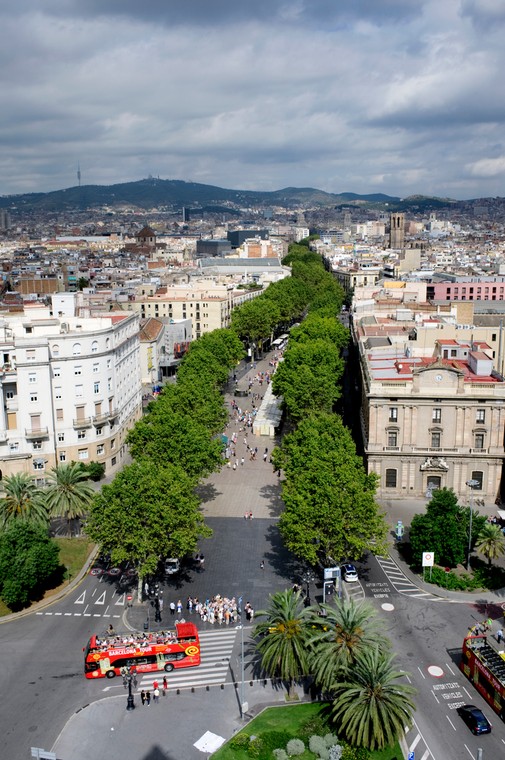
(79, 174)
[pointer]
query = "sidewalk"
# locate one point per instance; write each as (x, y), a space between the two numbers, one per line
(163, 731)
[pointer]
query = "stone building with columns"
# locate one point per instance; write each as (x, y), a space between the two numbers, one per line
(432, 421)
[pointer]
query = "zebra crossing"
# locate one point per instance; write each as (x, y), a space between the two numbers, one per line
(416, 743)
(402, 584)
(216, 651)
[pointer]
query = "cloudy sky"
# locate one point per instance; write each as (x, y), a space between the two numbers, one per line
(393, 96)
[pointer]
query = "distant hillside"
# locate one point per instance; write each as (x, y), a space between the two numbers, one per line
(173, 194)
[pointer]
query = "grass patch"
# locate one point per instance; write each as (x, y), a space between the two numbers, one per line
(275, 725)
(73, 554)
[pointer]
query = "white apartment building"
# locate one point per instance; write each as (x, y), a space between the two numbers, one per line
(70, 389)
(208, 306)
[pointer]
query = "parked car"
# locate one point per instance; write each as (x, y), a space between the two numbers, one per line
(172, 566)
(349, 573)
(474, 719)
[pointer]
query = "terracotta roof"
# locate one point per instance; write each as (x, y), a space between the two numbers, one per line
(150, 329)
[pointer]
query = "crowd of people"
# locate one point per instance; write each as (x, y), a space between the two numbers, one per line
(219, 610)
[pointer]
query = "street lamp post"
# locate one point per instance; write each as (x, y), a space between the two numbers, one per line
(308, 578)
(472, 485)
(129, 677)
(243, 705)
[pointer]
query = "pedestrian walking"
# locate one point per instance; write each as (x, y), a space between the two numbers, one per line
(262, 565)
(265, 455)
(179, 607)
(242, 461)
(148, 697)
(156, 695)
(172, 608)
(499, 635)
(165, 686)
(143, 697)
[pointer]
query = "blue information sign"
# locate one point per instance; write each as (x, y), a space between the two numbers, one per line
(410, 756)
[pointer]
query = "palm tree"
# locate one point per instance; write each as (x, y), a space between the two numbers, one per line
(68, 495)
(348, 629)
(491, 542)
(371, 707)
(283, 637)
(22, 500)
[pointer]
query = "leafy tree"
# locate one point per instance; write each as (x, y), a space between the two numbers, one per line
(443, 529)
(336, 641)
(68, 494)
(94, 470)
(315, 327)
(255, 320)
(147, 513)
(22, 501)
(308, 378)
(179, 439)
(491, 542)
(330, 508)
(370, 705)
(283, 637)
(28, 558)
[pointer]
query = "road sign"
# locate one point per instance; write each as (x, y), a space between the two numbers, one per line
(410, 756)
(331, 572)
(428, 559)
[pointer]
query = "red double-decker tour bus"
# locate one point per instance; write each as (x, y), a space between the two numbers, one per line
(162, 650)
(485, 667)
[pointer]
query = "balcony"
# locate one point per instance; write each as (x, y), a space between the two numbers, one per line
(102, 419)
(83, 422)
(34, 433)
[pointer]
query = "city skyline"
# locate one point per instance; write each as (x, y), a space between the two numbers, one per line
(365, 96)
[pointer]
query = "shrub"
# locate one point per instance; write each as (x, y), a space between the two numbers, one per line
(256, 747)
(295, 747)
(280, 754)
(331, 740)
(317, 744)
(273, 739)
(354, 753)
(240, 741)
(315, 725)
(335, 752)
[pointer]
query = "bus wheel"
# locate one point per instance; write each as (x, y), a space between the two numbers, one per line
(169, 667)
(111, 674)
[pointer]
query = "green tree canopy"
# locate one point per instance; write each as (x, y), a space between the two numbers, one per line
(308, 378)
(177, 439)
(146, 513)
(68, 494)
(317, 327)
(443, 529)
(491, 542)
(335, 642)
(28, 558)
(370, 705)
(23, 500)
(255, 320)
(283, 637)
(330, 507)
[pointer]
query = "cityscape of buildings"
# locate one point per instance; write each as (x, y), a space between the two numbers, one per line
(97, 309)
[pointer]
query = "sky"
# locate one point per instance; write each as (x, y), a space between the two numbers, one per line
(393, 96)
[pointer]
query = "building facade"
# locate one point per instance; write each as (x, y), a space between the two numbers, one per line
(70, 390)
(433, 422)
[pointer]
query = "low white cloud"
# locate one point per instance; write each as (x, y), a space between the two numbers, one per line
(400, 96)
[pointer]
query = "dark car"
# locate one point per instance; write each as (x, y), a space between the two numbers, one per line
(475, 719)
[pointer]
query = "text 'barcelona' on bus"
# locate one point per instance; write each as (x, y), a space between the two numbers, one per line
(163, 650)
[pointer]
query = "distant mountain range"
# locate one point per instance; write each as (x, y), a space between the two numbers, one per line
(172, 194)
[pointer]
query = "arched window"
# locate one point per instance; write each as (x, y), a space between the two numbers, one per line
(76, 349)
(94, 347)
(56, 350)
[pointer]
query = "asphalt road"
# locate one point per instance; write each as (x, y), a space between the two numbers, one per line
(427, 633)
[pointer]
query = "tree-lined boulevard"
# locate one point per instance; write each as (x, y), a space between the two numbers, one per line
(152, 509)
